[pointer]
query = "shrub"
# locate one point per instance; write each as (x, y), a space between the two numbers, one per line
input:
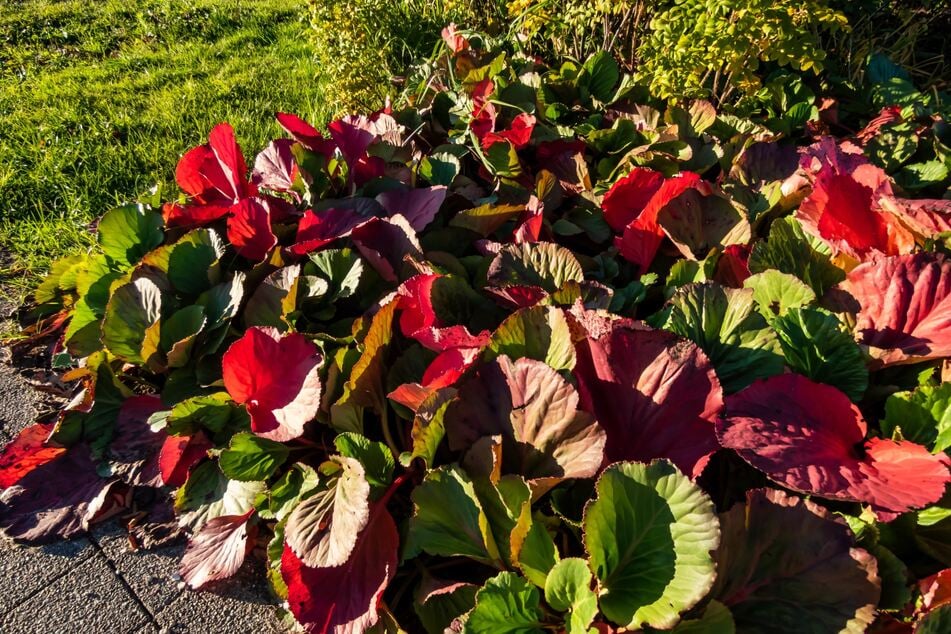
(362, 48)
(714, 48)
(530, 356)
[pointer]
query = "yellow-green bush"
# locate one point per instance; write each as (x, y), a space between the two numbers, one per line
(363, 46)
(714, 48)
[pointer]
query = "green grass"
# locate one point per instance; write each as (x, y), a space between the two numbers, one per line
(98, 99)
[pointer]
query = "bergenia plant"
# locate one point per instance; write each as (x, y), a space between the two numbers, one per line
(529, 356)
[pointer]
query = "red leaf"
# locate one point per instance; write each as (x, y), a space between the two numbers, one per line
(845, 214)
(317, 229)
(518, 134)
(418, 206)
(218, 550)
(135, 448)
(176, 215)
(27, 452)
(249, 229)
(483, 111)
(179, 454)
(385, 243)
(733, 266)
(935, 590)
(419, 320)
(275, 167)
(304, 133)
(905, 306)
(215, 173)
(276, 377)
(54, 500)
(353, 136)
(655, 395)
(344, 599)
(628, 197)
(534, 413)
(925, 217)
(456, 42)
(642, 237)
(809, 437)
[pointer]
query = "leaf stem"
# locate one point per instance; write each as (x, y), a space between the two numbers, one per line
(387, 435)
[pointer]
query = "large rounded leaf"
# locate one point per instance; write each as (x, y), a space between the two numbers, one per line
(535, 411)
(507, 604)
(650, 535)
(343, 599)
(323, 529)
(815, 344)
(809, 437)
(722, 322)
(905, 303)
(786, 565)
(655, 395)
(844, 213)
(276, 378)
(132, 311)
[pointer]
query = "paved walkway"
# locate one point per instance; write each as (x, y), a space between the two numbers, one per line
(98, 585)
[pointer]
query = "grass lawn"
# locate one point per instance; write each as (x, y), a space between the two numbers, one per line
(98, 99)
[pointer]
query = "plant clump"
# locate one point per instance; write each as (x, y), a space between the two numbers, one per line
(528, 355)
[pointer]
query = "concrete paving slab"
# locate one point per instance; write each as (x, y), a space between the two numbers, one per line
(152, 574)
(24, 570)
(18, 404)
(241, 603)
(90, 598)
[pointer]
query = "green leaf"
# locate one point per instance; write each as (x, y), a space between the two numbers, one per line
(133, 308)
(568, 589)
(83, 332)
(127, 233)
(716, 619)
(776, 292)
(537, 555)
(191, 263)
(178, 332)
(543, 264)
(788, 250)
(438, 604)
(440, 168)
(94, 280)
(650, 534)
(215, 413)
(506, 604)
(538, 332)
(923, 416)
(502, 159)
(274, 299)
(323, 529)
(296, 483)
(343, 268)
(721, 321)
(816, 345)
(429, 427)
(249, 457)
(922, 175)
(486, 219)
(376, 458)
(599, 75)
(449, 520)
(208, 494)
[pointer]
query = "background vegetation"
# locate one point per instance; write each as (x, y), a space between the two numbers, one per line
(99, 99)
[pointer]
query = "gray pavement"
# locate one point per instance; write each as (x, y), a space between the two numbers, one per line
(97, 584)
